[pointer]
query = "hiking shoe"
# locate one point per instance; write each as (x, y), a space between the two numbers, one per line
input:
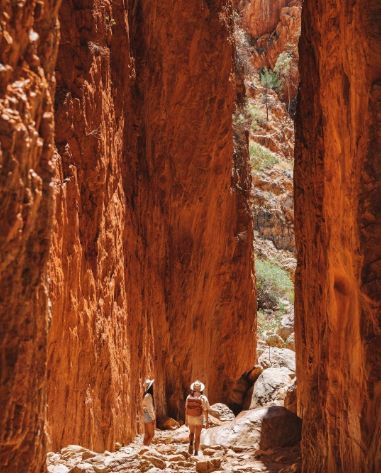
(196, 453)
(190, 449)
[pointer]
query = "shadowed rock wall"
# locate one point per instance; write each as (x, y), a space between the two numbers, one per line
(28, 45)
(338, 228)
(151, 266)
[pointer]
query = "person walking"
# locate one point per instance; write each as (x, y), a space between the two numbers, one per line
(196, 407)
(148, 405)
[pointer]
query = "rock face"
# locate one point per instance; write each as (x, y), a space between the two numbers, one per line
(278, 358)
(268, 46)
(263, 428)
(286, 327)
(221, 412)
(338, 227)
(270, 389)
(291, 401)
(28, 46)
(262, 16)
(152, 253)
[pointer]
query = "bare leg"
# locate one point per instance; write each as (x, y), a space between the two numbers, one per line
(191, 438)
(198, 429)
(149, 433)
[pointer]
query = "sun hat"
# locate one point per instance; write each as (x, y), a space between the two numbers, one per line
(197, 386)
(147, 384)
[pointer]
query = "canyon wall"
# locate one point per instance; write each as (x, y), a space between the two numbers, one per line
(151, 265)
(262, 16)
(338, 228)
(29, 38)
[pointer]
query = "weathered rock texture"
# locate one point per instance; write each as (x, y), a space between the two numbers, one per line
(151, 267)
(338, 228)
(268, 46)
(28, 45)
(261, 428)
(262, 16)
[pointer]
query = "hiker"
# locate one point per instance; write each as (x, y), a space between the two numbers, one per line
(196, 406)
(149, 417)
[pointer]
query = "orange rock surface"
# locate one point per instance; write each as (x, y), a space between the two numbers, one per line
(28, 45)
(262, 16)
(338, 228)
(285, 37)
(151, 265)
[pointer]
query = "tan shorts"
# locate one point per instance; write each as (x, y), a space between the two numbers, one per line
(199, 420)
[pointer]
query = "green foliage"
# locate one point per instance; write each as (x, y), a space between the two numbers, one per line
(268, 323)
(239, 118)
(110, 22)
(248, 114)
(283, 64)
(270, 79)
(256, 114)
(273, 283)
(261, 157)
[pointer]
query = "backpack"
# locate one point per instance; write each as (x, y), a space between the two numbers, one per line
(194, 406)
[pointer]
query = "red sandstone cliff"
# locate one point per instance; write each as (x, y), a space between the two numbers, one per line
(28, 45)
(338, 228)
(151, 266)
(261, 16)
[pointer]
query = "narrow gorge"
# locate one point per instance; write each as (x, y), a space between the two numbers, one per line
(149, 173)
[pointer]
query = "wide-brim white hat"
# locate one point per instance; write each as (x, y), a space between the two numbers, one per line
(197, 386)
(147, 384)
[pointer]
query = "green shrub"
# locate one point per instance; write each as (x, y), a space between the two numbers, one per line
(257, 115)
(268, 323)
(273, 283)
(261, 157)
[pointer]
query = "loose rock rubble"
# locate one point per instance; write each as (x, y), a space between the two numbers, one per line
(252, 442)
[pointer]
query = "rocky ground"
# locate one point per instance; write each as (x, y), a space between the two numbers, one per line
(243, 447)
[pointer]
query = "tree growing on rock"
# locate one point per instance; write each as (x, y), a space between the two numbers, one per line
(283, 69)
(269, 80)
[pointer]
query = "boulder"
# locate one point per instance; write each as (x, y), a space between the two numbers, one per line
(286, 325)
(290, 401)
(263, 428)
(156, 459)
(290, 342)
(213, 421)
(238, 393)
(180, 435)
(167, 423)
(207, 465)
(58, 469)
(253, 374)
(82, 468)
(221, 412)
(261, 347)
(278, 358)
(270, 389)
(247, 401)
(274, 340)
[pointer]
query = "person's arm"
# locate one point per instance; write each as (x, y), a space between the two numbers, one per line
(186, 415)
(205, 407)
(150, 409)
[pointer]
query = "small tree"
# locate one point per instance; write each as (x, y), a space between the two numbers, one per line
(269, 80)
(283, 69)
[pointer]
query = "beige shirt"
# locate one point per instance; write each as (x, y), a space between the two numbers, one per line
(148, 404)
(204, 402)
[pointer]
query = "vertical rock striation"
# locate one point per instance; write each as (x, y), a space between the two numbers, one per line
(151, 266)
(28, 45)
(338, 227)
(262, 16)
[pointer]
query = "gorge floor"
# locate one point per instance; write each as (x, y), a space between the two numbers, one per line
(169, 453)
